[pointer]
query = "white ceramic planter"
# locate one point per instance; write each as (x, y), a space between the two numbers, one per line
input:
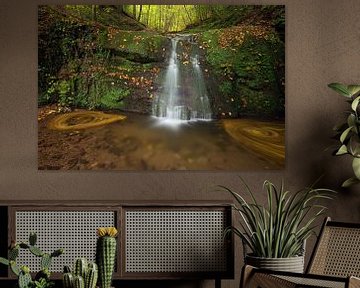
(291, 264)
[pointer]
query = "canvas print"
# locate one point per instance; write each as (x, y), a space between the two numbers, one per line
(161, 87)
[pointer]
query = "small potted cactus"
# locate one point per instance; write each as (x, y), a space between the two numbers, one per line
(106, 254)
(42, 278)
(85, 275)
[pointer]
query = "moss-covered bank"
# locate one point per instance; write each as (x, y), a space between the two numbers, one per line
(95, 66)
(247, 63)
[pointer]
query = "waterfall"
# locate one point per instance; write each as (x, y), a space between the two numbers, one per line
(183, 94)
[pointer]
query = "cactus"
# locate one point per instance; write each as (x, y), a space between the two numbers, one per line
(24, 280)
(14, 268)
(36, 251)
(79, 282)
(13, 253)
(91, 276)
(80, 267)
(87, 272)
(32, 238)
(23, 273)
(45, 261)
(105, 255)
(68, 280)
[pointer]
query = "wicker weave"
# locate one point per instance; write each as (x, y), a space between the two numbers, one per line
(338, 252)
(334, 263)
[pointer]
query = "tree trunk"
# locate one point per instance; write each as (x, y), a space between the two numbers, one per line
(134, 11)
(93, 9)
(148, 15)
(139, 16)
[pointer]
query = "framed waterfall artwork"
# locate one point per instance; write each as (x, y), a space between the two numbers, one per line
(161, 87)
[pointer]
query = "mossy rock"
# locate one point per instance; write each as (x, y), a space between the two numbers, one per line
(142, 47)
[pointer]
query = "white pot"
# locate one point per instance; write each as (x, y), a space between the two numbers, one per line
(291, 264)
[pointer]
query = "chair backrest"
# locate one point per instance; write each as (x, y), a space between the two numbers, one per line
(337, 251)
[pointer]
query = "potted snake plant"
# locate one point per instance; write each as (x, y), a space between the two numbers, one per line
(274, 234)
(349, 132)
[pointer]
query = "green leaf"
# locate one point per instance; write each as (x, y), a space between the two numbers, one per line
(353, 89)
(355, 103)
(4, 261)
(345, 134)
(354, 146)
(340, 88)
(342, 150)
(351, 120)
(356, 167)
(349, 182)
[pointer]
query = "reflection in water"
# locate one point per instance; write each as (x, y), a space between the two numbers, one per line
(264, 138)
(143, 143)
(83, 120)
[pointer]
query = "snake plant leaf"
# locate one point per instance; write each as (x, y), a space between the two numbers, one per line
(340, 88)
(355, 103)
(349, 182)
(356, 167)
(342, 150)
(279, 228)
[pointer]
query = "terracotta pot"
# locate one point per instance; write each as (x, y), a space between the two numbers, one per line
(291, 264)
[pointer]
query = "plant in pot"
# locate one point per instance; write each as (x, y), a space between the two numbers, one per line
(349, 132)
(42, 278)
(276, 233)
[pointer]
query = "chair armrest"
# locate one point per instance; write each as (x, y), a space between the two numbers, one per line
(354, 282)
(254, 277)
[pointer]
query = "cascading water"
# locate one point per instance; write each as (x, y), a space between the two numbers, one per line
(183, 94)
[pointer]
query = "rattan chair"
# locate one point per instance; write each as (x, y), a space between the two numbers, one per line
(334, 263)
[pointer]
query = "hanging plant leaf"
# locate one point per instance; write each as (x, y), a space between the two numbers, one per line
(353, 89)
(355, 103)
(345, 134)
(349, 182)
(356, 167)
(342, 150)
(340, 88)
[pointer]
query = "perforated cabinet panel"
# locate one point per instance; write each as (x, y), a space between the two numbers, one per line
(75, 231)
(175, 241)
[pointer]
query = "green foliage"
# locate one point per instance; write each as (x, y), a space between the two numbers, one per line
(279, 229)
(249, 70)
(349, 132)
(42, 278)
(113, 99)
(226, 88)
(43, 283)
(166, 18)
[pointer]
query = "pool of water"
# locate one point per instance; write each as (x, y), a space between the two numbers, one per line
(142, 142)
